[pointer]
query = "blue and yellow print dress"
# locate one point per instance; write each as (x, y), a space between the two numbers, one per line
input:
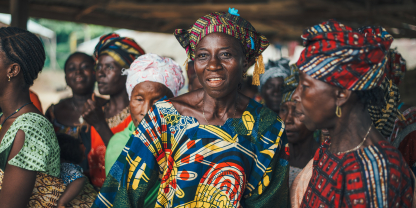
(240, 164)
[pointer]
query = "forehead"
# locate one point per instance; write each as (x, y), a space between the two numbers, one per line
(149, 87)
(106, 59)
(289, 104)
(78, 58)
(218, 40)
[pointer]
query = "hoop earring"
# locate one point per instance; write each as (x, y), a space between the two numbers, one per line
(244, 74)
(338, 112)
(9, 78)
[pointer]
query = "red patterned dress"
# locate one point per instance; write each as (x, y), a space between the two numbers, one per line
(375, 176)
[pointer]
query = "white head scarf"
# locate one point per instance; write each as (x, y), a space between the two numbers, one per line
(151, 67)
(279, 68)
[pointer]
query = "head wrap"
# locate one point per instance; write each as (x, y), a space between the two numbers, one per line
(151, 67)
(122, 50)
(279, 68)
(343, 57)
(395, 67)
(291, 83)
(231, 24)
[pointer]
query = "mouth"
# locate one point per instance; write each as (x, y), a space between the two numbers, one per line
(291, 133)
(79, 79)
(215, 81)
(101, 84)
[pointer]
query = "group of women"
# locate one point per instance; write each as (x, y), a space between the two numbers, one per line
(321, 139)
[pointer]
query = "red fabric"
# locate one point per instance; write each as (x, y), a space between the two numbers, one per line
(376, 176)
(96, 157)
(408, 147)
(35, 100)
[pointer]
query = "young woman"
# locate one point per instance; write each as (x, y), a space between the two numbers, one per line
(342, 86)
(212, 147)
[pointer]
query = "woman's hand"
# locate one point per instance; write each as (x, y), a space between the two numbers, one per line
(93, 114)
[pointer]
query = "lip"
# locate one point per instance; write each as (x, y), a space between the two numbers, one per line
(291, 133)
(79, 79)
(215, 83)
(101, 83)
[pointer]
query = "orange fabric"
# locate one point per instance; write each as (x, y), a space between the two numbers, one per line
(35, 100)
(300, 184)
(96, 157)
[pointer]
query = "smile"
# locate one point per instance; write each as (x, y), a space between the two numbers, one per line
(215, 82)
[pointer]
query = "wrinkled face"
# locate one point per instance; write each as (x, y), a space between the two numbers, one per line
(296, 131)
(316, 100)
(80, 74)
(219, 64)
(272, 93)
(143, 96)
(109, 78)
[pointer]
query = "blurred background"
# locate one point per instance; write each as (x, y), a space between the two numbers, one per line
(66, 26)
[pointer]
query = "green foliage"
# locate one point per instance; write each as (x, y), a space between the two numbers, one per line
(63, 30)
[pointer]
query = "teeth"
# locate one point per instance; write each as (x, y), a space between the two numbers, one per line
(215, 79)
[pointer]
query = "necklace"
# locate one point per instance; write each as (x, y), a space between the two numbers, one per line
(13, 114)
(80, 119)
(359, 145)
(203, 111)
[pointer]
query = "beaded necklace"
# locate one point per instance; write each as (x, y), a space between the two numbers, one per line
(13, 114)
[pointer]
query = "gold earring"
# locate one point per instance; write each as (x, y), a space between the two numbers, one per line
(244, 74)
(9, 78)
(338, 111)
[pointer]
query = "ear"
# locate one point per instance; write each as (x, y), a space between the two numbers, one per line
(342, 96)
(13, 70)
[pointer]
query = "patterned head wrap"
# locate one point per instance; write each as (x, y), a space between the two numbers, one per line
(291, 83)
(151, 67)
(279, 68)
(231, 24)
(343, 57)
(395, 67)
(122, 50)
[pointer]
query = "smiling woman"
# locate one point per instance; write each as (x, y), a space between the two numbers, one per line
(213, 146)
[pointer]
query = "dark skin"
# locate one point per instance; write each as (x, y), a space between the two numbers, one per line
(302, 145)
(110, 82)
(219, 65)
(272, 93)
(18, 183)
(143, 96)
(194, 83)
(80, 77)
(318, 100)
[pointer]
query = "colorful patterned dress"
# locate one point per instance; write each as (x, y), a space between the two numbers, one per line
(239, 164)
(375, 176)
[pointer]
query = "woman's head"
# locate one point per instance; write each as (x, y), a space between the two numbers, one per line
(71, 149)
(271, 83)
(22, 55)
(222, 46)
(112, 54)
(79, 73)
(150, 78)
(345, 73)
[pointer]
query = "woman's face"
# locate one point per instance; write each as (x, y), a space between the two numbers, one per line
(219, 64)
(109, 78)
(272, 93)
(296, 131)
(316, 100)
(80, 74)
(143, 96)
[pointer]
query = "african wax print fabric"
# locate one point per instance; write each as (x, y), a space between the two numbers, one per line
(375, 176)
(291, 83)
(70, 172)
(273, 69)
(229, 23)
(151, 67)
(341, 56)
(123, 50)
(239, 164)
(404, 136)
(395, 67)
(96, 157)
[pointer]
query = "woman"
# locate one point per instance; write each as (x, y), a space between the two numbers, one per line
(302, 142)
(209, 147)
(29, 151)
(271, 83)
(112, 54)
(149, 79)
(66, 115)
(357, 167)
(193, 82)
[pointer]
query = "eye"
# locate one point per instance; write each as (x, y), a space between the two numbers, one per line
(202, 55)
(226, 54)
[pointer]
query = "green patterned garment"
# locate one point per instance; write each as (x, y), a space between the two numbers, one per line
(40, 151)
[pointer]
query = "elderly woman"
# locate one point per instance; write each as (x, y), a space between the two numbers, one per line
(271, 83)
(212, 147)
(112, 54)
(341, 73)
(303, 143)
(29, 151)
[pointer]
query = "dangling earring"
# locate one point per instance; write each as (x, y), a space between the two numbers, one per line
(9, 78)
(338, 112)
(244, 74)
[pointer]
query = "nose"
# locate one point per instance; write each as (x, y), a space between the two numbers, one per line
(296, 94)
(214, 64)
(146, 107)
(99, 72)
(289, 117)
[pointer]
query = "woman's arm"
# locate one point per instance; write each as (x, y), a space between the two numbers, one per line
(18, 183)
(94, 116)
(71, 191)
